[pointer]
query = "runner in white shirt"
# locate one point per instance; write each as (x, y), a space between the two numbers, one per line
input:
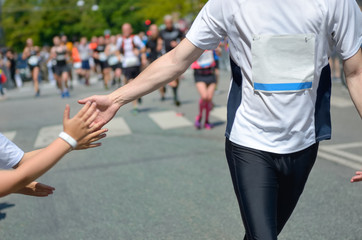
(114, 60)
(134, 55)
(279, 99)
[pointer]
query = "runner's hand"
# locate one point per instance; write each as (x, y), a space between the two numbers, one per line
(357, 177)
(36, 189)
(80, 125)
(106, 108)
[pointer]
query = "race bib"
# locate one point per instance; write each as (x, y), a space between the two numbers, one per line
(206, 59)
(113, 60)
(283, 63)
(102, 57)
(131, 61)
(77, 65)
(33, 61)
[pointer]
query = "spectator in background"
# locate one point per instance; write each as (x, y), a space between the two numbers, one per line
(10, 62)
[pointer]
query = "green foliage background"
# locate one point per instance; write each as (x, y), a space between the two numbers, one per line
(43, 19)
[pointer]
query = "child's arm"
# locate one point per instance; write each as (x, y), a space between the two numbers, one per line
(36, 189)
(78, 127)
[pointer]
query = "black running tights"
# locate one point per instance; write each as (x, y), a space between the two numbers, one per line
(267, 186)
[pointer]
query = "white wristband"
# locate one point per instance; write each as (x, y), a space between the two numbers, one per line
(71, 141)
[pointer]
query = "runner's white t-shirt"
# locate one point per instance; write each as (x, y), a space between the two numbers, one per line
(129, 58)
(279, 96)
(10, 154)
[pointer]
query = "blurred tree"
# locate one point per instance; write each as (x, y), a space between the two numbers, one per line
(43, 19)
(157, 9)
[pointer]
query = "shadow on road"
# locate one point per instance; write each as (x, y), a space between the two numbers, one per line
(4, 206)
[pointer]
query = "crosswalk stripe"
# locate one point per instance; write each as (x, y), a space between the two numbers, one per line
(341, 102)
(169, 120)
(10, 135)
(47, 135)
(118, 127)
(220, 113)
(339, 160)
(339, 150)
(338, 153)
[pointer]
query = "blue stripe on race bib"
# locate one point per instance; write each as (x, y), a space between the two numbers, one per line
(275, 87)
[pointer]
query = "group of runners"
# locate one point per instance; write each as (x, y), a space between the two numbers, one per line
(117, 59)
(278, 103)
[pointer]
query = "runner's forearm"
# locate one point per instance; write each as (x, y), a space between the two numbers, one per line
(355, 86)
(159, 73)
(353, 72)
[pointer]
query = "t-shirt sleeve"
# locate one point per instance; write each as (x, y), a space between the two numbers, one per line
(10, 154)
(345, 27)
(119, 43)
(210, 26)
(138, 42)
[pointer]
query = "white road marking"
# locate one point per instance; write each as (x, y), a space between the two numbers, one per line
(47, 135)
(118, 127)
(337, 153)
(341, 102)
(169, 120)
(343, 145)
(339, 160)
(10, 135)
(220, 113)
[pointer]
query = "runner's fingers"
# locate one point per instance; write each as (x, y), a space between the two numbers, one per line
(89, 112)
(66, 113)
(84, 109)
(92, 118)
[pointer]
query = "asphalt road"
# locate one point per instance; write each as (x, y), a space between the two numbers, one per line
(156, 178)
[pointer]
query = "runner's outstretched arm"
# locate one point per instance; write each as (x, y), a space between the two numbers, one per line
(159, 73)
(353, 72)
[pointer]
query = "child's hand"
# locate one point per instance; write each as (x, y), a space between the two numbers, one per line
(88, 140)
(36, 189)
(357, 177)
(81, 124)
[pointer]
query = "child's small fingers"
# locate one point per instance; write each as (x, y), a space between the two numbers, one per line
(66, 113)
(97, 138)
(99, 132)
(94, 126)
(91, 145)
(44, 186)
(91, 118)
(84, 109)
(91, 110)
(94, 145)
